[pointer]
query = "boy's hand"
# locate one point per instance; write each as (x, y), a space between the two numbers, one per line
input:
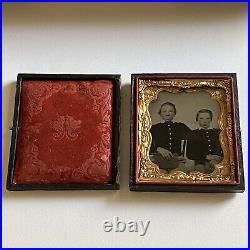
(214, 157)
(164, 152)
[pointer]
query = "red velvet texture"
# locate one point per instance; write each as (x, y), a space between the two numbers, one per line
(65, 132)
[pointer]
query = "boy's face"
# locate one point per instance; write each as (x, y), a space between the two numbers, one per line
(167, 113)
(204, 120)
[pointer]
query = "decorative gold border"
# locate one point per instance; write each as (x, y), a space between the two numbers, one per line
(219, 90)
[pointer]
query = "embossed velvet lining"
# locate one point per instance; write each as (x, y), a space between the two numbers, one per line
(65, 132)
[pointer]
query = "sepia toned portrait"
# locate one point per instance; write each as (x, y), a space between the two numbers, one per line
(185, 137)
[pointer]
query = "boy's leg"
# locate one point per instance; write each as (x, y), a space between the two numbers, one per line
(163, 163)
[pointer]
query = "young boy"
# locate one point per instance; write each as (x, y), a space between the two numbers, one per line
(203, 144)
(165, 148)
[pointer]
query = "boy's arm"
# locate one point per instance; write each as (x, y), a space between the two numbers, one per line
(186, 131)
(153, 146)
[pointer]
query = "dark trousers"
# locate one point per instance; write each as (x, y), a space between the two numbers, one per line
(163, 163)
(204, 167)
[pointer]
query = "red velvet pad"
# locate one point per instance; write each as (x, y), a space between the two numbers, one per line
(65, 132)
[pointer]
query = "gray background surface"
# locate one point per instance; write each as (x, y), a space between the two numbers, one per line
(187, 105)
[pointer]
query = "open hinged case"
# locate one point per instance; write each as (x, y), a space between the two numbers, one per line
(65, 132)
(185, 133)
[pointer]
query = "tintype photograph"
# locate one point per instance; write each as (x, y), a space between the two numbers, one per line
(185, 132)
(185, 137)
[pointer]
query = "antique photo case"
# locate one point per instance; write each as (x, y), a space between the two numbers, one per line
(65, 132)
(185, 133)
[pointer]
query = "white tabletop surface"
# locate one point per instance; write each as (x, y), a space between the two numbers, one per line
(123, 38)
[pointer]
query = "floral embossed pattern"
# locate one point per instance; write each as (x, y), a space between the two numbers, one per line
(65, 132)
(65, 128)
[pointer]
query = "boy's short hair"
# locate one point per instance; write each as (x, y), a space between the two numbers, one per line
(169, 104)
(204, 111)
